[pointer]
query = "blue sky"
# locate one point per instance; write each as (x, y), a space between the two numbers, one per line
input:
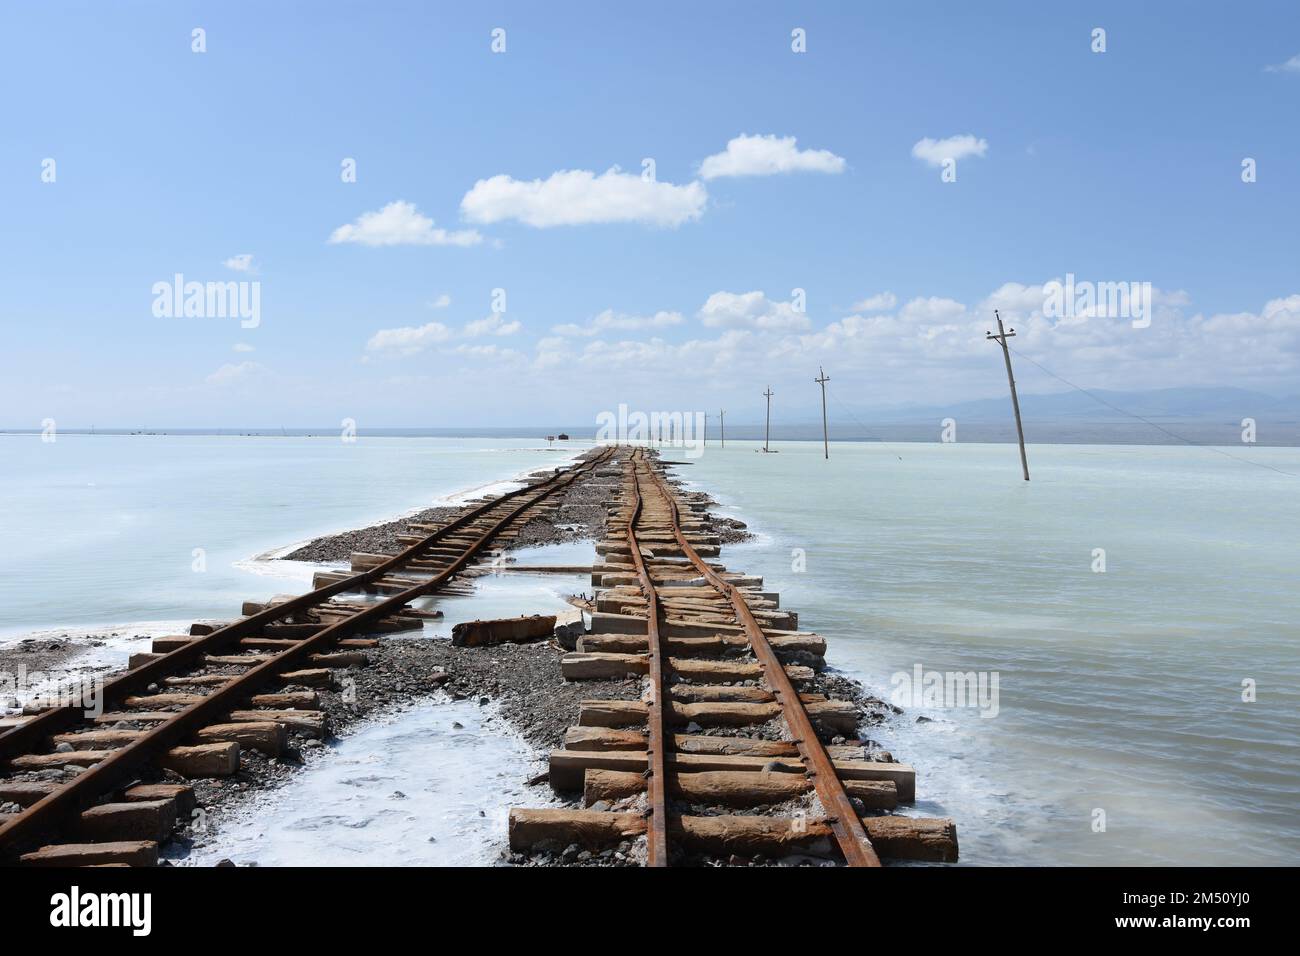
(1122, 166)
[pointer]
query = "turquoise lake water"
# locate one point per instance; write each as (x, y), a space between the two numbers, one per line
(103, 530)
(1119, 692)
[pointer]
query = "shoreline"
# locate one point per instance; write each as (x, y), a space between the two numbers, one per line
(404, 670)
(523, 683)
(85, 634)
(1102, 435)
(451, 501)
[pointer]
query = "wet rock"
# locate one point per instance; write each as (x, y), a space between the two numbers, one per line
(567, 634)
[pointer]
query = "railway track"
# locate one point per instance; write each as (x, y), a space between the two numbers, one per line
(195, 703)
(753, 773)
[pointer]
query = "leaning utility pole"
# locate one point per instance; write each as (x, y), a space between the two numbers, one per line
(1001, 338)
(722, 425)
(821, 379)
(768, 430)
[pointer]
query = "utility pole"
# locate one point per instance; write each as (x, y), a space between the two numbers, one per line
(722, 424)
(767, 431)
(821, 379)
(1001, 338)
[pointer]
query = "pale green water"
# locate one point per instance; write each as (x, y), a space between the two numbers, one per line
(1118, 690)
(102, 530)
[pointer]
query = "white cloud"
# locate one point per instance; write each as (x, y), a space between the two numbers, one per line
(925, 348)
(243, 347)
(611, 367)
(490, 351)
(751, 310)
(401, 224)
(767, 156)
(230, 373)
(881, 302)
(609, 319)
(1290, 66)
(408, 340)
(441, 302)
(934, 348)
(552, 352)
(579, 196)
(491, 325)
(935, 151)
(931, 311)
(240, 263)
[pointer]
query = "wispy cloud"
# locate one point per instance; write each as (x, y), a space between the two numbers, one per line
(935, 151)
(1290, 66)
(240, 263)
(401, 224)
(407, 340)
(579, 197)
(412, 339)
(753, 310)
(243, 347)
(768, 156)
(881, 302)
(441, 302)
(493, 324)
(490, 351)
(609, 319)
(232, 373)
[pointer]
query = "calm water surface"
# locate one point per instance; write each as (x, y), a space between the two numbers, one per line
(103, 530)
(1119, 692)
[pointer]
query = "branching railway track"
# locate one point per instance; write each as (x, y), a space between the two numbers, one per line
(722, 659)
(163, 704)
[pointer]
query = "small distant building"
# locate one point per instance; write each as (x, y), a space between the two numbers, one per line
(562, 436)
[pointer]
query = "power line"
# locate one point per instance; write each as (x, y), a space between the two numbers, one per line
(866, 430)
(1147, 421)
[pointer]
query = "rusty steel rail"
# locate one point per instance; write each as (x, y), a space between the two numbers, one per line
(660, 740)
(81, 791)
(23, 738)
(840, 814)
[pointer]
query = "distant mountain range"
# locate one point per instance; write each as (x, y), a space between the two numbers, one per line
(1201, 416)
(1164, 405)
(1167, 416)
